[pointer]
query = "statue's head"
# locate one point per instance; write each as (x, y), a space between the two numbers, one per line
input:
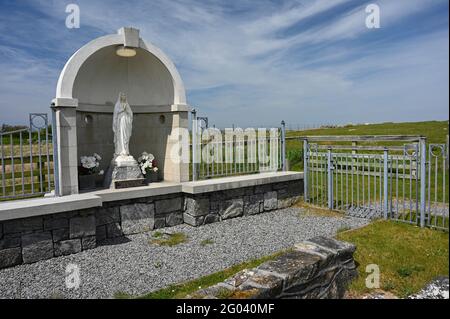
(122, 97)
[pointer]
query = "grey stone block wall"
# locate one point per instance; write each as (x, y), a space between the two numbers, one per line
(217, 206)
(321, 268)
(28, 240)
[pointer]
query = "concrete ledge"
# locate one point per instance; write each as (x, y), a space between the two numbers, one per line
(51, 205)
(45, 206)
(220, 184)
(154, 189)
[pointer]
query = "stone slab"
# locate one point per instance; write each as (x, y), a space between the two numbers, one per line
(10, 257)
(196, 206)
(168, 205)
(67, 247)
(225, 183)
(137, 218)
(82, 226)
(270, 201)
(37, 246)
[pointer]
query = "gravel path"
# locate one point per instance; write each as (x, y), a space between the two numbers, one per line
(136, 266)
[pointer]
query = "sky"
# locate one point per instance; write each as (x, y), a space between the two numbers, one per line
(249, 62)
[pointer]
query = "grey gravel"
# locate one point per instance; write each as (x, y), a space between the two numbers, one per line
(135, 266)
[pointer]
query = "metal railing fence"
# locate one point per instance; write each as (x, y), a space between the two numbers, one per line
(26, 160)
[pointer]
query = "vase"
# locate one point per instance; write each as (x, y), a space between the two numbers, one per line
(86, 182)
(151, 177)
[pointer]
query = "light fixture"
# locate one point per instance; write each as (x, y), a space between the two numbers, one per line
(126, 52)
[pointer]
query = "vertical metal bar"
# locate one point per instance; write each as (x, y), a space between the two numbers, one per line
(3, 166)
(11, 140)
(423, 159)
(41, 188)
(444, 192)
(31, 155)
(283, 145)
(429, 182)
(48, 154)
(396, 188)
(346, 181)
(404, 184)
(385, 184)
(55, 153)
(380, 178)
(323, 191)
(357, 180)
(391, 163)
(194, 144)
(330, 179)
(369, 171)
(342, 182)
(21, 162)
(335, 177)
(363, 180)
(375, 165)
(317, 177)
(436, 167)
(305, 169)
(353, 157)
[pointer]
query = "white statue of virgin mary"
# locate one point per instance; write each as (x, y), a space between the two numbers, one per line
(122, 126)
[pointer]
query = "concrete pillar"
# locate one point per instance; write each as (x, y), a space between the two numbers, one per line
(176, 170)
(66, 132)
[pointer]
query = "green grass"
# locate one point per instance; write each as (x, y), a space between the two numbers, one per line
(183, 289)
(207, 242)
(434, 131)
(408, 257)
(168, 239)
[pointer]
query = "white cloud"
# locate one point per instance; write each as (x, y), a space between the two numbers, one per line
(240, 64)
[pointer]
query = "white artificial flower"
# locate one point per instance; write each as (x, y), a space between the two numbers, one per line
(97, 157)
(101, 172)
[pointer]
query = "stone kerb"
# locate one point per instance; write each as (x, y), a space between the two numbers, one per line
(319, 268)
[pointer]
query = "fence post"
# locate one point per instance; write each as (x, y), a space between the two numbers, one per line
(423, 163)
(55, 153)
(354, 145)
(385, 183)
(446, 154)
(305, 169)
(330, 179)
(283, 145)
(194, 144)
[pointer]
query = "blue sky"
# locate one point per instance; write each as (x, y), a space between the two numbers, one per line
(250, 62)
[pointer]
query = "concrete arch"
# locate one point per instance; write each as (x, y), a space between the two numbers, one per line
(67, 78)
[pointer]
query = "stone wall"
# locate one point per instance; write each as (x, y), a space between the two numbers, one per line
(31, 239)
(315, 269)
(216, 206)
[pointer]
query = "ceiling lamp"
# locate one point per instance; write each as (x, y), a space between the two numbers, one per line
(126, 52)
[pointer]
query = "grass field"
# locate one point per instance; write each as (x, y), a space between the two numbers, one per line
(408, 257)
(434, 131)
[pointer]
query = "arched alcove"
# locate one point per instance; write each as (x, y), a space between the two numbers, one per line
(88, 88)
(144, 78)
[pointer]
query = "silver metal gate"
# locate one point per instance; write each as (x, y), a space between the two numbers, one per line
(402, 180)
(26, 160)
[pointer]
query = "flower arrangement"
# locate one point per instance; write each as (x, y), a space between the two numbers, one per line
(90, 165)
(147, 163)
